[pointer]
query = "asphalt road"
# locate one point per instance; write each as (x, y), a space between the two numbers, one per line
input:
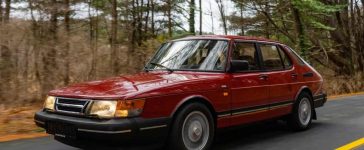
(340, 122)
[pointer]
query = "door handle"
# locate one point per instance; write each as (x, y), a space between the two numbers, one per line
(294, 75)
(263, 77)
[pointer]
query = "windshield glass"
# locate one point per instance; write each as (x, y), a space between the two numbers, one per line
(204, 55)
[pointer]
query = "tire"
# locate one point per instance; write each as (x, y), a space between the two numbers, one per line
(302, 113)
(193, 128)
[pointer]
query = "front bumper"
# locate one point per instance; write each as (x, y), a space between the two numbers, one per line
(127, 130)
(320, 100)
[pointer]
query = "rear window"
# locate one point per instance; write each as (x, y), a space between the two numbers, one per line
(286, 61)
(296, 56)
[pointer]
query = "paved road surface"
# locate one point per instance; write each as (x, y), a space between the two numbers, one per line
(339, 122)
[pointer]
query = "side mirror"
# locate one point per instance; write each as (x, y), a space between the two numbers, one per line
(239, 65)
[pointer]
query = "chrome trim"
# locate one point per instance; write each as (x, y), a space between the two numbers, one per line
(70, 105)
(318, 99)
(225, 115)
(153, 127)
(106, 132)
(82, 107)
(60, 135)
(281, 106)
(246, 112)
(40, 122)
(250, 111)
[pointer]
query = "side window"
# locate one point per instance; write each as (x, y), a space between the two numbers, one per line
(286, 61)
(271, 57)
(247, 52)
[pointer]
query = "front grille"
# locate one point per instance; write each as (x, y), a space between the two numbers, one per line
(70, 105)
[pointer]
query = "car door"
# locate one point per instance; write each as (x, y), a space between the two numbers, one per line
(280, 78)
(249, 92)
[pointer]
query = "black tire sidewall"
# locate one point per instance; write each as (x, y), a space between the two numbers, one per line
(294, 120)
(175, 139)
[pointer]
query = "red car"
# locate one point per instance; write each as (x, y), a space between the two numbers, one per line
(189, 89)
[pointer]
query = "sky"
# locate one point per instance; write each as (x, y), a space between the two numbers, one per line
(208, 6)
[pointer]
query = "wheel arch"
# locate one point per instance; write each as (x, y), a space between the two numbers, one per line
(303, 89)
(194, 99)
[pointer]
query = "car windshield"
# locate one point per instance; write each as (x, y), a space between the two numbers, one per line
(199, 55)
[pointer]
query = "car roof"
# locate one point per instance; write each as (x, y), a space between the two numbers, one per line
(231, 37)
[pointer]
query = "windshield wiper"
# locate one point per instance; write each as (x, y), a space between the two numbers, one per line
(160, 65)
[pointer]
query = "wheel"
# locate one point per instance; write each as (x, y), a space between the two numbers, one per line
(193, 128)
(301, 117)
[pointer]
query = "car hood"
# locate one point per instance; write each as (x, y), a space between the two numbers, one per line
(127, 86)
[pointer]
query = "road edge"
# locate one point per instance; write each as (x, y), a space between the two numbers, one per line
(13, 137)
(336, 97)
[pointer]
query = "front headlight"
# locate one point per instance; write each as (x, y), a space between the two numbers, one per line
(103, 109)
(119, 109)
(49, 103)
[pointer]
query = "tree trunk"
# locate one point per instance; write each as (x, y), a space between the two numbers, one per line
(191, 20)
(132, 37)
(222, 14)
(267, 24)
(54, 20)
(300, 30)
(113, 40)
(49, 57)
(139, 22)
(7, 10)
(93, 23)
(1, 59)
(212, 19)
(152, 21)
(200, 3)
(169, 14)
(67, 18)
(1, 11)
(146, 26)
(242, 19)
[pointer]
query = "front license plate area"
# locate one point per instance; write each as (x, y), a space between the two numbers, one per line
(61, 129)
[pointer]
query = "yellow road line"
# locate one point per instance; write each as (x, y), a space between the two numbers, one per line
(352, 145)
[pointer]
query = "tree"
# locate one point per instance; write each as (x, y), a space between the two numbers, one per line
(222, 15)
(113, 38)
(192, 16)
(152, 19)
(200, 4)
(67, 19)
(93, 38)
(7, 10)
(300, 30)
(1, 11)
(212, 19)
(169, 16)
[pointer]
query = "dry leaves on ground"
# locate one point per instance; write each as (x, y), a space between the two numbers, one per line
(18, 120)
